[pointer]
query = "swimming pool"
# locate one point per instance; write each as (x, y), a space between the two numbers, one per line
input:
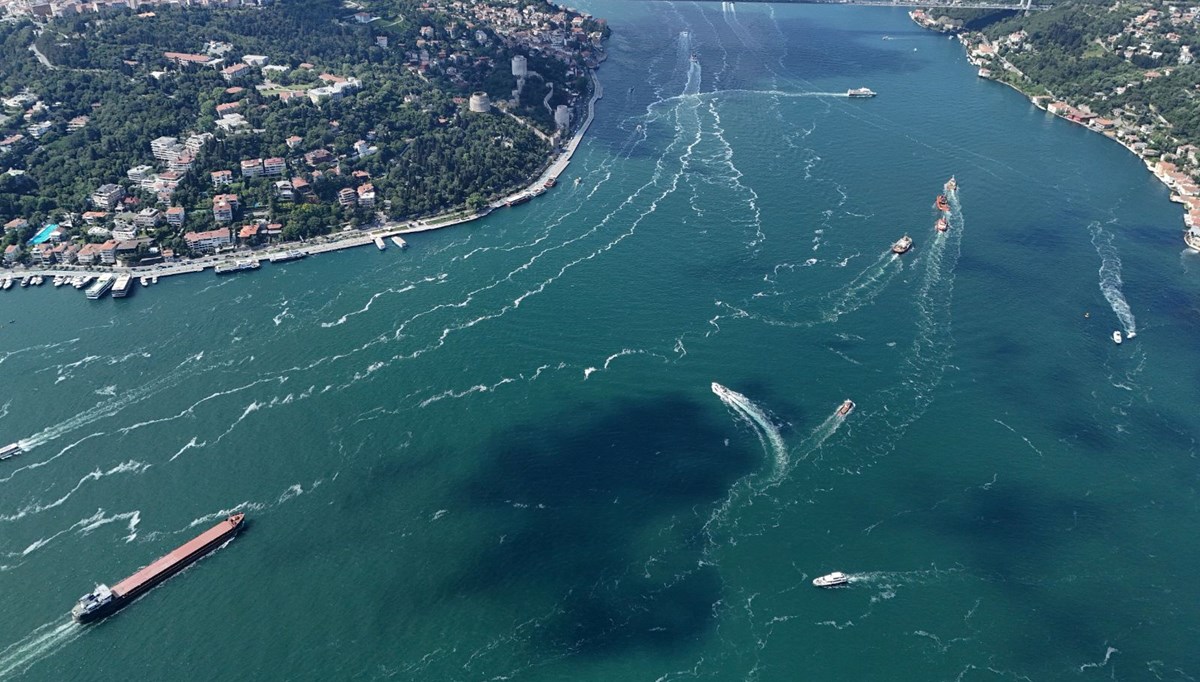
(44, 234)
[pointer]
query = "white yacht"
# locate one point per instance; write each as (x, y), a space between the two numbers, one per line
(399, 241)
(1117, 338)
(832, 580)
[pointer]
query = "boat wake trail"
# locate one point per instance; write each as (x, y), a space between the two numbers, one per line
(19, 656)
(757, 419)
(1110, 277)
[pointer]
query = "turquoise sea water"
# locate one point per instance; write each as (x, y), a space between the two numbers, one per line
(499, 454)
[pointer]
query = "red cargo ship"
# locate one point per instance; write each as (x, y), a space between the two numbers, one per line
(103, 600)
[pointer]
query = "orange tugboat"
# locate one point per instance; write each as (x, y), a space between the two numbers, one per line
(942, 204)
(942, 225)
(103, 600)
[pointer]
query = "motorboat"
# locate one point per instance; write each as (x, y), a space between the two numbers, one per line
(845, 408)
(832, 580)
(941, 225)
(902, 245)
(1116, 337)
(941, 203)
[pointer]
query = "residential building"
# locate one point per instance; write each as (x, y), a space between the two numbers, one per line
(248, 233)
(252, 168)
(148, 218)
(232, 122)
(15, 224)
(256, 60)
(65, 253)
(43, 254)
(208, 241)
(108, 252)
(140, 174)
(107, 196)
(347, 197)
(184, 59)
(221, 178)
(294, 141)
(181, 163)
(285, 191)
(274, 166)
(166, 148)
(11, 254)
(222, 211)
(175, 216)
(366, 195)
(93, 217)
(235, 72)
(318, 156)
(228, 108)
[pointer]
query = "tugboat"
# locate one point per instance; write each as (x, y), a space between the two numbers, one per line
(845, 408)
(832, 580)
(941, 225)
(951, 185)
(942, 204)
(902, 245)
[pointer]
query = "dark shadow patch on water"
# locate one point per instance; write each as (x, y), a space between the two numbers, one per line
(594, 482)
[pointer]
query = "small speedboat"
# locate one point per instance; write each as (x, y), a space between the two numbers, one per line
(951, 185)
(1117, 338)
(902, 245)
(845, 408)
(832, 580)
(941, 225)
(578, 181)
(942, 204)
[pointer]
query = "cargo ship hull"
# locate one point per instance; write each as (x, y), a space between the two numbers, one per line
(103, 602)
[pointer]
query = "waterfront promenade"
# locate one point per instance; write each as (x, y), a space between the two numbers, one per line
(337, 241)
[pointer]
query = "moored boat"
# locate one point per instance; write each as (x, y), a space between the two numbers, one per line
(144, 281)
(845, 408)
(551, 182)
(26, 280)
(941, 203)
(1116, 337)
(6, 284)
(379, 243)
(104, 600)
(121, 287)
(1191, 237)
(100, 286)
(902, 245)
(399, 241)
(941, 225)
(860, 92)
(832, 580)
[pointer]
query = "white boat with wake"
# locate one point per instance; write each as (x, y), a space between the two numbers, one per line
(10, 450)
(831, 580)
(1116, 337)
(860, 92)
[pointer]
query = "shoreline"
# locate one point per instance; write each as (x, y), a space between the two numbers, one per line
(1147, 161)
(336, 241)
